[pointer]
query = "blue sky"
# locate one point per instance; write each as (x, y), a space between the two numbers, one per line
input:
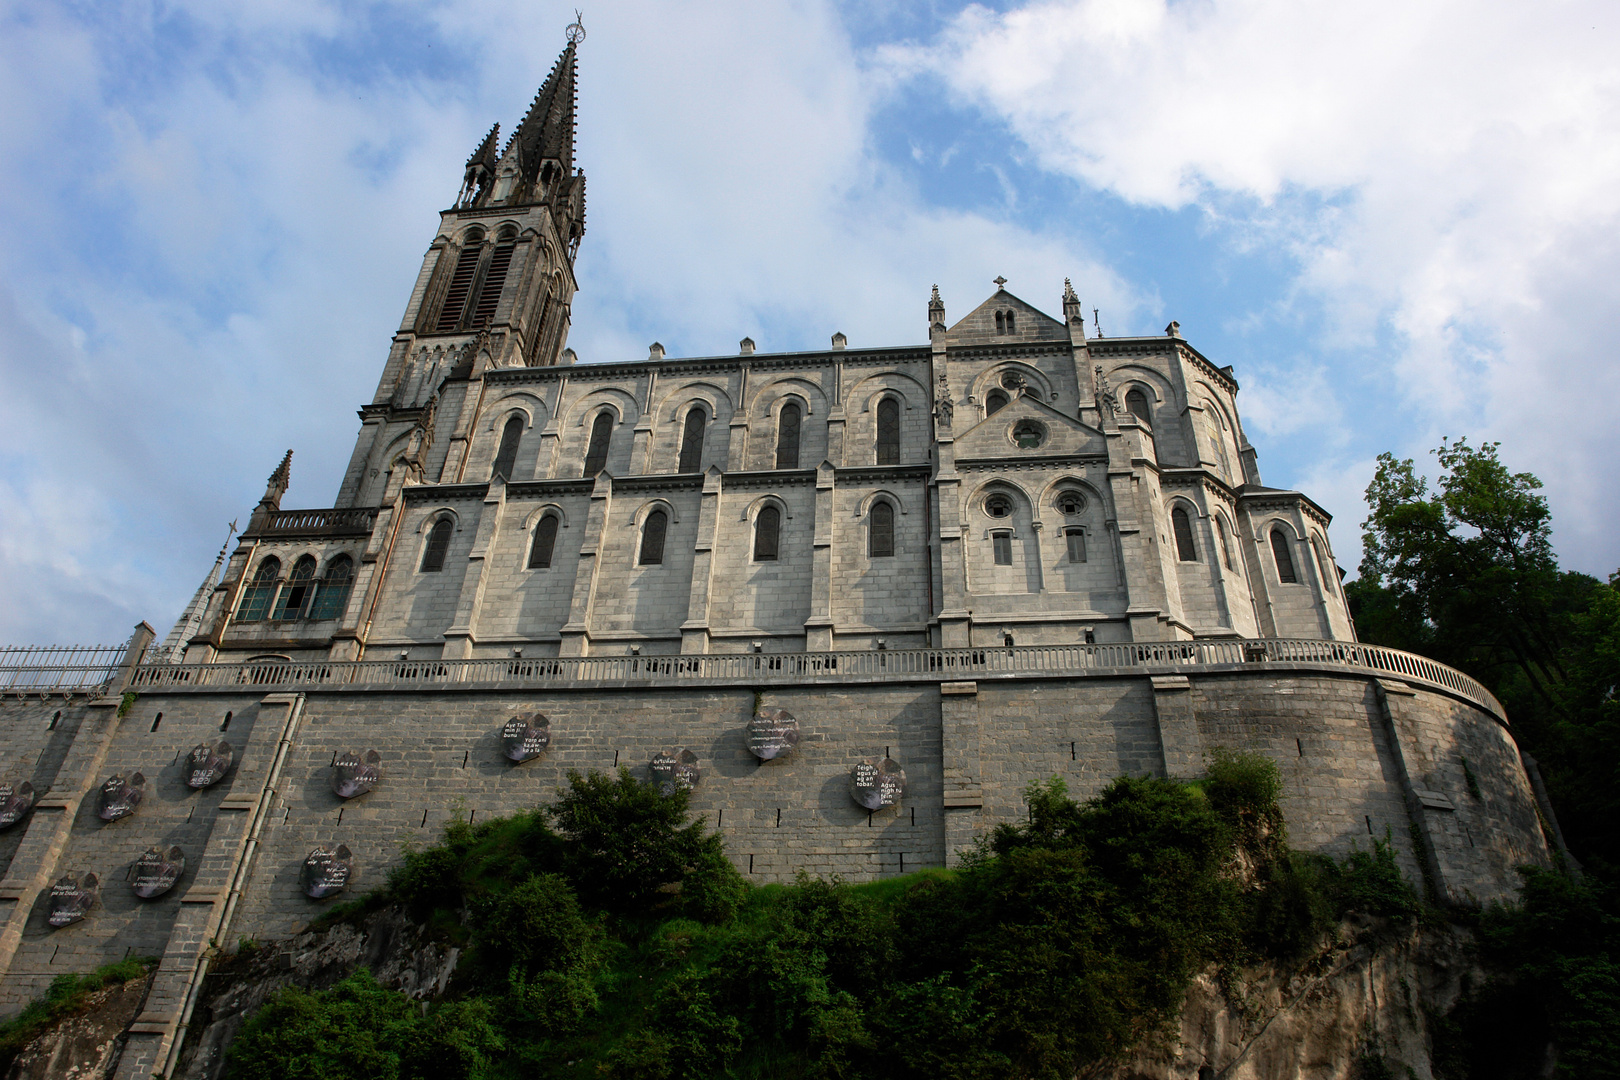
(1397, 220)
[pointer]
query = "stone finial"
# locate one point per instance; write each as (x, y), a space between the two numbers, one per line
(276, 487)
(1001, 283)
(1072, 312)
(655, 351)
(569, 356)
(936, 309)
(1173, 330)
(839, 341)
(746, 346)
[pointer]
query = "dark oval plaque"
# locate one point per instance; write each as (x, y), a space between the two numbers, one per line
(120, 797)
(772, 733)
(877, 782)
(15, 802)
(676, 771)
(156, 871)
(208, 764)
(356, 773)
(326, 872)
(72, 897)
(525, 736)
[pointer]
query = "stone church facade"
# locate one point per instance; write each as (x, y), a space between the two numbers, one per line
(1008, 552)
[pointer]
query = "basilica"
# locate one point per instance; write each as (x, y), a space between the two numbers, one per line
(1007, 479)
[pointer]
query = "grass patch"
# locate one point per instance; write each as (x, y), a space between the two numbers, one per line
(65, 997)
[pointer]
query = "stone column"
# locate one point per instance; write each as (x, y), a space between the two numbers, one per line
(462, 635)
(576, 631)
(818, 629)
(1179, 740)
(695, 630)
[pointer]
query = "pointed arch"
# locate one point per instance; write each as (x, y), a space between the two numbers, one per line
(880, 530)
(1181, 526)
(887, 438)
(1282, 556)
(544, 541)
(788, 423)
(437, 546)
(654, 529)
(693, 431)
(506, 455)
(332, 596)
(296, 593)
(768, 533)
(596, 450)
(256, 597)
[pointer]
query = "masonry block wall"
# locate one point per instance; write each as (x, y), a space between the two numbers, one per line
(1362, 759)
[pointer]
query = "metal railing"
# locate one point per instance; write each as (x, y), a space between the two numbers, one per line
(925, 665)
(58, 668)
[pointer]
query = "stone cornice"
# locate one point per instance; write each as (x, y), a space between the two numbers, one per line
(710, 364)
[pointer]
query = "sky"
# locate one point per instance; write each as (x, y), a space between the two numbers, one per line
(1397, 220)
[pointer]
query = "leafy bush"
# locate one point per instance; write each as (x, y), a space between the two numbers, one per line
(1371, 882)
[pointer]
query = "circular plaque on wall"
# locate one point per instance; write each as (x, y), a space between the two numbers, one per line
(208, 764)
(772, 733)
(526, 735)
(119, 797)
(675, 771)
(355, 773)
(15, 802)
(156, 871)
(72, 897)
(877, 783)
(326, 872)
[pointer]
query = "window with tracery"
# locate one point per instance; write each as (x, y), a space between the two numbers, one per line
(256, 597)
(998, 506)
(697, 421)
(545, 539)
(880, 531)
(994, 402)
(1181, 525)
(787, 436)
(332, 596)
(296, 593)
(506, 456)
(652, 538)
(597, 451)
(1283, 557)
(438, 545)
(767, 534)
(888, 432)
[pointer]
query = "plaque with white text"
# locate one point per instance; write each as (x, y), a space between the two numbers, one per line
(326, 872)
(772, 733)
(71, 898)
(208, 764)
(525, 736)
(877, 783)
(15, 802)
(120, 797)
(355, 773)
(156, 871)
(675, 771)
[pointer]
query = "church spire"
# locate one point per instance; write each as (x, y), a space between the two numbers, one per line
(173, 649)
(547, 132)
(481, 169)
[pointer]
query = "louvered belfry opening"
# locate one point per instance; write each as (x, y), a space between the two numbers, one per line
(489, 295)
(455, 299)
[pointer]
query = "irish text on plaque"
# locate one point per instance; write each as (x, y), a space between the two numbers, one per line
(877, 782)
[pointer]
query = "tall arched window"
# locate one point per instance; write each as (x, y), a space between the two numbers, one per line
(596, 453)
(1182, 527)
(880, 535)
(994, 402)
(692, 440)
(787, 436)
(295, 595)
(1001, 323)
(1012, 323)
(489, 290)
(1074, 537)
(256, 597)
(461, 282)
(767, 534)
(545, 538)
(888, 432)
(1136, 403)
(438, 544)
(1323, 563)
(506, 456)
(652, 538)
(1279, 551)
(1220, 535)
(333, 594)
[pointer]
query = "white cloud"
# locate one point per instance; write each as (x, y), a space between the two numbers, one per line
(1447, 173)
(226, 210)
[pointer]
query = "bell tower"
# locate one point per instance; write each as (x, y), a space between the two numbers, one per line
(495, 290)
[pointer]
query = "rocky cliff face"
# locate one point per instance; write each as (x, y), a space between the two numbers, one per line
(1362, 998)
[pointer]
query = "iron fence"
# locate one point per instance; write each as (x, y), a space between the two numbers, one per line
(58, 668)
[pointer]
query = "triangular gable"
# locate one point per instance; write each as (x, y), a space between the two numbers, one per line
(1032, 324)
(1064, 434)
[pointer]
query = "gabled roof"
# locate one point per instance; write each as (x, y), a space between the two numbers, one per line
(1033, 324)
(1064, 434)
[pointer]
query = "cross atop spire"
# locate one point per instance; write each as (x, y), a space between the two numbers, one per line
(1001, 283)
